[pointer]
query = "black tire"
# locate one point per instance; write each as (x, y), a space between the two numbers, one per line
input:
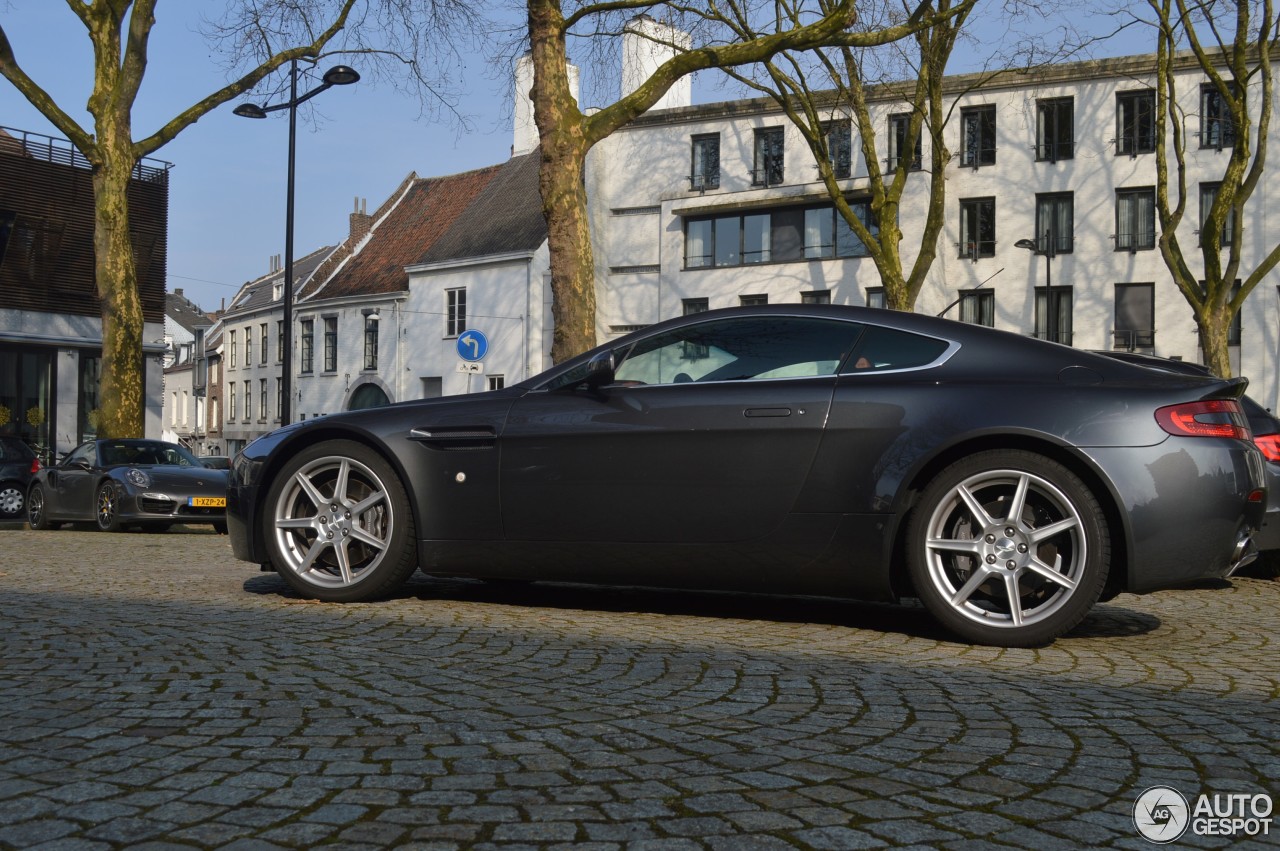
(1052, 551)
(371, 529)
(37, 517)
(220, 527)
(13, 502)
(106, 507)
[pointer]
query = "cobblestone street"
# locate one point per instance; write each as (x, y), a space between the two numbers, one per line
(154, 692)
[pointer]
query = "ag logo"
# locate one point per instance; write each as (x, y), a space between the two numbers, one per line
(1161, 814)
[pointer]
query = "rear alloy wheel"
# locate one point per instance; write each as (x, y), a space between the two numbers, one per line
(338, 525)
(1008, 548)
(108, 509)
(36, 515)
(11, 501)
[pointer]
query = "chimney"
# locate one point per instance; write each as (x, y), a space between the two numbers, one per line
(361, 221)
(526, 128)
(646, 44)
(178, 292)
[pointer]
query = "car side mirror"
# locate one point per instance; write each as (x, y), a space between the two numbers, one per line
(600, 370)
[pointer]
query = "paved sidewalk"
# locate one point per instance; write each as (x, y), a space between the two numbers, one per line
(156, 693)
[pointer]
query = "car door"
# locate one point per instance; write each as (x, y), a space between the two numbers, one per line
(73, 483)
(706, 434)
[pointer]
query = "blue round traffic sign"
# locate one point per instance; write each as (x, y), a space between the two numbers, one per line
(473, 345)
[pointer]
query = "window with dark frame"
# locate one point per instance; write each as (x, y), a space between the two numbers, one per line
(1055, 129)
(977, 227)
(330, 344)
(729, 240)
(497, 382)
(455, 312)
(371, 323)
(705, 169)
(1135, 122)
(978, 136)
(248, 401)
(306, 345)
(263, 337)
(1055, 222)
(1135, 219)
(875, 297)
(690, 307)
(262, 400)
(827, 234)
(839, 137)
(248, 345)
(279, 398)
(752, 300)
(1209, 194)
(232, 348)
(1135, 317)
(978, 307)
(768, 168)
(816, 297)
(899, 130)
(1062, 297)
(231, 401)
(279, 341)
(1217, 130)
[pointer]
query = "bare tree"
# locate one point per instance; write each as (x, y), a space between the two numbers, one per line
(266, 34)
(1231, 44)
(567, 133)
(849, 81)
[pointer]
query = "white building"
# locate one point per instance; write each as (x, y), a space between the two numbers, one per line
(699, 207)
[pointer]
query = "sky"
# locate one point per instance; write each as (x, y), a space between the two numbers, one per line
(228, 182)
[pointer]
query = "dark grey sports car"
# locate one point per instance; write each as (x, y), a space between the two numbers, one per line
(1006, 482)
(118, 483)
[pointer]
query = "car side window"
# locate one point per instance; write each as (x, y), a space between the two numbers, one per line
(85, 454)
(888, 348)
(741, 349)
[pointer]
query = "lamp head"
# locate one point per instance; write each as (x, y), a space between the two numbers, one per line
(340, 75)
(1029, 244)
(249, 110)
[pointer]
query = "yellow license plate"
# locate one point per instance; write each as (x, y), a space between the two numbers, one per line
(207, 502)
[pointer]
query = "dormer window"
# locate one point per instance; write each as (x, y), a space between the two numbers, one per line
(277, 292)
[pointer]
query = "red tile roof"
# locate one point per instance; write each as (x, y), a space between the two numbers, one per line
(407, 224)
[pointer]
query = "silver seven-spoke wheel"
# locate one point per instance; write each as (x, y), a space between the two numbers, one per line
(1009, 548)
(338, 524)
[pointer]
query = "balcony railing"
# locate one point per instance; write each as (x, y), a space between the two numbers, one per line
(1134, 340)
(61, 152)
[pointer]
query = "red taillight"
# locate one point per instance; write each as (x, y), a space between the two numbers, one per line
(35, 466)
(1209, 418)
(1270, 446)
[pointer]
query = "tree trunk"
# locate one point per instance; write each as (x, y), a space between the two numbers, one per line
(561, 179)
(1214, 325)
(121, 389)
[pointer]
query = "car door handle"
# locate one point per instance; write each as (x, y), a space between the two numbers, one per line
(768, 412)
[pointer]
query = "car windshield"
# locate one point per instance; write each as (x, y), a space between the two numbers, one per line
(146, 453)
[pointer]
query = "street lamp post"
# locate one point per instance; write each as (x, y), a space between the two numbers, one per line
(339, 75)
(1050, 302)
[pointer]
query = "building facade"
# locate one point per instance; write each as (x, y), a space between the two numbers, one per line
(50, 316)
(708, 206)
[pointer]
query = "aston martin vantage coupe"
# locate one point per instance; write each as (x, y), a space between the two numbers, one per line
(1007, 483)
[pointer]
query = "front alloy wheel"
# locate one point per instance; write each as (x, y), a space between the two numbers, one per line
(108, 509)
(339, 526)
(1008, 548)
(36, 514)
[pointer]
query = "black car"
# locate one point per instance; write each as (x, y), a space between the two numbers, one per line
(1006, 482)
(150, 484)
(18, 464)
(1265, 428)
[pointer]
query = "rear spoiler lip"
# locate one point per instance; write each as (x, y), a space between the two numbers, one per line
(1228, 388)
